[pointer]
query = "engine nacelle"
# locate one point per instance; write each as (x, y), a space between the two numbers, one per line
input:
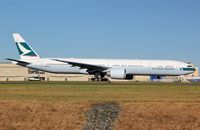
(120, 74)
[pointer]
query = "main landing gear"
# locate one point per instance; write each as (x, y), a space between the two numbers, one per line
(98, 80)
(99, 77)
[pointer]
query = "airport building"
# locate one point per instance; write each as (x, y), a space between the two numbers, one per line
(12, 72)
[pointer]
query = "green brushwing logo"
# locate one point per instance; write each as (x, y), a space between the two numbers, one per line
(188, 69)
(24, 49)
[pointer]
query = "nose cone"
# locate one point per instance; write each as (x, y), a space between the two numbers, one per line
(188, 69)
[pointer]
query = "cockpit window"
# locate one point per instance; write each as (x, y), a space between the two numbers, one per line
(189, 66)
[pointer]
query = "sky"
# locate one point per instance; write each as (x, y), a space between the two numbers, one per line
(125, 29)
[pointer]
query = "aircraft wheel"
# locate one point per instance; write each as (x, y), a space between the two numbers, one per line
(105, 79)
(93, 79)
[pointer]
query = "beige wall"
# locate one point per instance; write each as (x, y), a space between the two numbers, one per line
(12, 72)
(141, 78)
(66, 77)
(7, 69)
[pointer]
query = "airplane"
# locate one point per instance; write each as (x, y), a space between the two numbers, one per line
(123, 69)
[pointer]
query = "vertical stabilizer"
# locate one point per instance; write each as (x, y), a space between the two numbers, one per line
(25, 51)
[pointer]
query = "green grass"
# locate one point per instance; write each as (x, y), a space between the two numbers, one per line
(98, 92)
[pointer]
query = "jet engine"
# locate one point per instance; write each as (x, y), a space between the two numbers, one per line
(120, 74)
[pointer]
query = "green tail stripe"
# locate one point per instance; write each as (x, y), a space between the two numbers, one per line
(20, 52)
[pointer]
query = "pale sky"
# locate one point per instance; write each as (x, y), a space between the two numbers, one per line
(125, 29)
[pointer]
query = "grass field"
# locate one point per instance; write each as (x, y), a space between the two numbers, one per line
(62, 105)
(86, 92)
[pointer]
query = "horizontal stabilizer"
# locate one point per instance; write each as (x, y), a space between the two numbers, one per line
(19, 62)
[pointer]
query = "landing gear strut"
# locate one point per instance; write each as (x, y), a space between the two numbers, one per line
(92, 79)
(99, 77)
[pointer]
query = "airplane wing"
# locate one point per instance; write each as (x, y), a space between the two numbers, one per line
(19, 62)
(90, 68)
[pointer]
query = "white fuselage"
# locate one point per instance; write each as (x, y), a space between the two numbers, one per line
(134, 67)
(115, 68)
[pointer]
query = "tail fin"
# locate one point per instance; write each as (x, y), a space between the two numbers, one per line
(25, 51)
